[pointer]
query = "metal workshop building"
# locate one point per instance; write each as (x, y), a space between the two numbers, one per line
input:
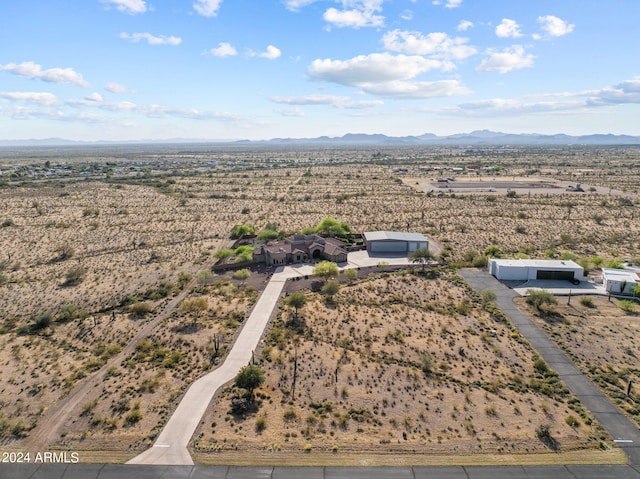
(620, 281)
(527, 269)
(394, 242)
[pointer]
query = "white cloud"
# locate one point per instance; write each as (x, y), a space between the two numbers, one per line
(114, 87)
(508, 29)
(464, 25)
(128, 6)
(373, 68)
(407, 15)
(448, 3)
(97, 97)
(41, 98)
(295, 5)
(417, 90)
(207, 8)
(513, 58)
(52, 75)
(356, 14)
(625, 92)
(437, 44)
(223, 49)
(554, 26)
(332, 100)
(151, 39)
(271, 53)
(295, 112)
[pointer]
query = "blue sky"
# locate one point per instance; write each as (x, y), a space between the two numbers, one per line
(259, 69)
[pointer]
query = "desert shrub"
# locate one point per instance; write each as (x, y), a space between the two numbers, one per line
(74, 276)
(223, 253)
(42, 321)
(65, 251)
(487, 296)
(572, 421)
(261, 424)
(539, 298)
(587, 302)
(242, 274)
(627, 305)
(6, 223)
(492, 251)
(133, 417)
(140, 309)
(480, 261)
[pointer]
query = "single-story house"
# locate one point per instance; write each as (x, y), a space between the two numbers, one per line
(394, 242)
(298, 248)
(620, 281)
(526, 269)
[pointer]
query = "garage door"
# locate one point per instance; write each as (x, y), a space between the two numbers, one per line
(388, 247)
(568, 275)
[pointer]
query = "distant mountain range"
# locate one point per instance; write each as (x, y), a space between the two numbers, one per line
(474, 138)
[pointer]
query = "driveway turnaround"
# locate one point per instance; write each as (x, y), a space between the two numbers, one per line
(170, 447)
(115, 471)
(624, 433)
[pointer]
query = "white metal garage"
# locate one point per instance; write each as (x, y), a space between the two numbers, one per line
(394, 242)
(526, 269)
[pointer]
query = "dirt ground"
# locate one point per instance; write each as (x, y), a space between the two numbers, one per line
(398, 363)
(78, 256)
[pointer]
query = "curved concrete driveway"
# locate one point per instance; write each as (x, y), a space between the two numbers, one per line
(621, 429)
(170, 447)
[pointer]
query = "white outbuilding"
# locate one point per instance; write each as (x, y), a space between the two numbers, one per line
(394, 242)
(620, 281)
(528, 269)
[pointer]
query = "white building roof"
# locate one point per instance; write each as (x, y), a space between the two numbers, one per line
(538, 263)
(627, 275)
(393, 236)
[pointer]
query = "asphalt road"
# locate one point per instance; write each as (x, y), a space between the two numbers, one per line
(113, 471)
(625, 433)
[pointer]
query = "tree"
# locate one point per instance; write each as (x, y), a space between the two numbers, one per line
(242, 274)
(330, 289)
(296, 301)
(325, 269)
(351, 274)
(333, 227)
(538, 298)
(421, 256)
(238, 231)
(250, 378)
(267, 235)
(244, 253)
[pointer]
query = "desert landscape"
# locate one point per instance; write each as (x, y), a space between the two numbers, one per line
(106, 279)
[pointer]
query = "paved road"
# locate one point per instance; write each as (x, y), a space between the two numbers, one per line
(113, 471)
(622, 430)
(170, 447)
